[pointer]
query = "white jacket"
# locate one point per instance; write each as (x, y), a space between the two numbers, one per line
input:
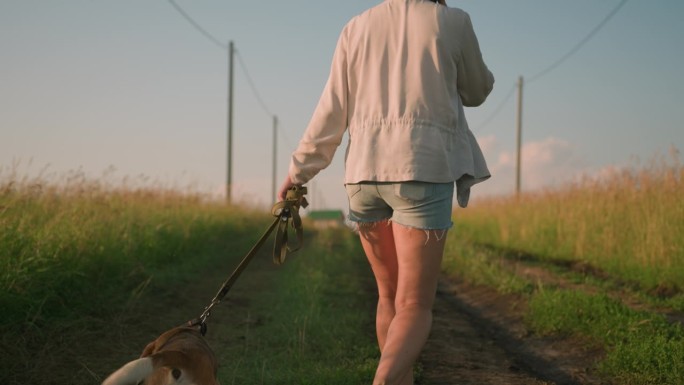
(401, 73)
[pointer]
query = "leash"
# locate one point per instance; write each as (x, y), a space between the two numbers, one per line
(286, 213)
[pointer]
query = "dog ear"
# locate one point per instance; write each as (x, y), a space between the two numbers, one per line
(131, 373)
(149, 349)
(159, 342)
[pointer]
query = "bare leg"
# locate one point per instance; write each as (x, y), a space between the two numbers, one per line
(419, 257)
(377, 240)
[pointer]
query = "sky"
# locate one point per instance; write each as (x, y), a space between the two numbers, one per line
(129, 91)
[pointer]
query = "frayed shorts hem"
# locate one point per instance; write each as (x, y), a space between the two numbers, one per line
(361, 223)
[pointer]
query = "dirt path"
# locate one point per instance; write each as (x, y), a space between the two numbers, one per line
(478, 338)
(459, 352)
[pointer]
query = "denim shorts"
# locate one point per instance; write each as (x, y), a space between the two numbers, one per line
(420, 205)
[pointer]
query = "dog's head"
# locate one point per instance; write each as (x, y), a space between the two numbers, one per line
(180, 356)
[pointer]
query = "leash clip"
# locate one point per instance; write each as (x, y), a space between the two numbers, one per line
(201, 322)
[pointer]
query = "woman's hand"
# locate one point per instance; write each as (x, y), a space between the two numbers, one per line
(287, 184)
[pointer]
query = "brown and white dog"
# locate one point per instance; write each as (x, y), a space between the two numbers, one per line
(180, 356)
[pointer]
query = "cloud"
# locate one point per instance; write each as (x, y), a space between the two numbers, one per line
(545, 163)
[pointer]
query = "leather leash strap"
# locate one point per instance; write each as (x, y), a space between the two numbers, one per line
(286, 212)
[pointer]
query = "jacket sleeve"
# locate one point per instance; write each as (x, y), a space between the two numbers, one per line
(474, 80)
(329, 122)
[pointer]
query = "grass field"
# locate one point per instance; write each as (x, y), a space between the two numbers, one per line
(618, 239)
(71, 249)
(82, 262)
(629, 224)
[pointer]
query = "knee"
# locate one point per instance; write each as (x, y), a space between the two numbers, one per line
(413, 306)
(387, 290)
(387, 300)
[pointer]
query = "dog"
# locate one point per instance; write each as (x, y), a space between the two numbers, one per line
(179, 356)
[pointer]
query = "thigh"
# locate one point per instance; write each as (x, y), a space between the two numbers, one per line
(378, 244)
(419, 259)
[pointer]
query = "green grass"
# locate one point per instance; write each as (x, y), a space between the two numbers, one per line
(73, 256)
(480, 266)
(641, 347)
(66, 252)
(77, 259)
(627, 228)
(319, 327)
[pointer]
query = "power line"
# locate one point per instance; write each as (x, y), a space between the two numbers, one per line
(198, 27)
(251, 85)
(497, 110)
(578, 45)
(216, 41)
(554, 65)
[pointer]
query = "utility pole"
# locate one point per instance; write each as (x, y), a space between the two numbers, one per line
(229, 179)
(275, 149)
(518, 136)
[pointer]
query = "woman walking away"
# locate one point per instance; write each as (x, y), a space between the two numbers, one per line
(400, 76)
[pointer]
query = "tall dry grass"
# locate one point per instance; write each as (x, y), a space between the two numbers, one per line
(79, 245)
(76, 257)
(628, 222)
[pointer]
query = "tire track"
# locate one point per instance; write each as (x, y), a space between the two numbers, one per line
(478, 338)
